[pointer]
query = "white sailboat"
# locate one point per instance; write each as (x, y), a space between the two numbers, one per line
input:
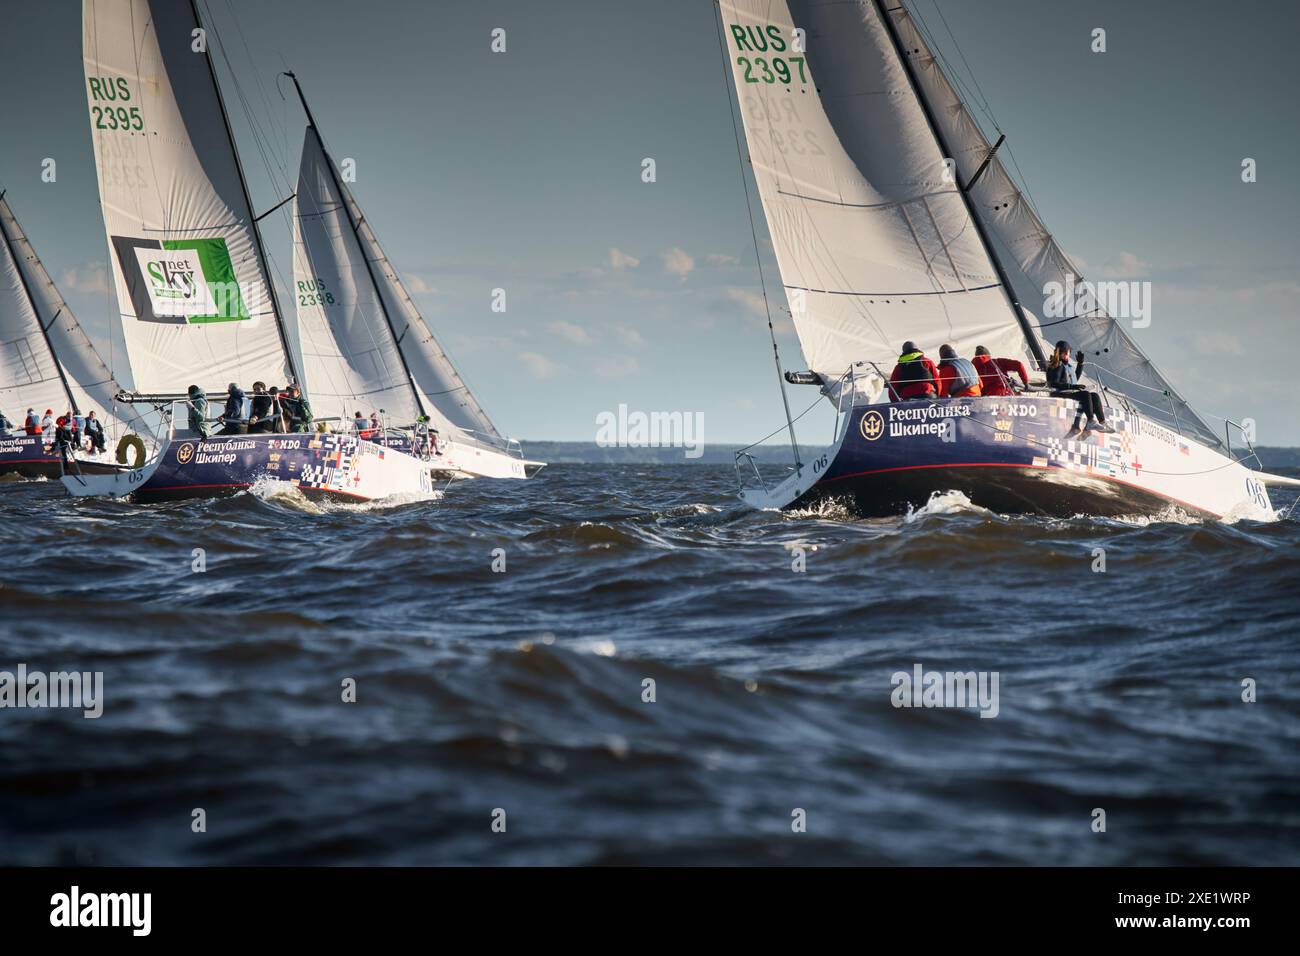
(362, 338)
(893, 219)
(196, 301)
(48, 362)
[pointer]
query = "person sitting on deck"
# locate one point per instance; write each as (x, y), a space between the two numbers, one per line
(1064, 382)
(914, 376)
(71, 418)
(95, 432)
(261, 410)
(995, 373)
(374, 425)
(5, 424)
(47, 423)
(232, 417)
(279, 416)
(957, 376)
(33, 424)
(360, 427)
(197, 416)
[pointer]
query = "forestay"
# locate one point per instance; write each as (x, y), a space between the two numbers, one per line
(874, 242)
(195, 300)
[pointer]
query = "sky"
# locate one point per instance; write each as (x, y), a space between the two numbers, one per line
(522, 171)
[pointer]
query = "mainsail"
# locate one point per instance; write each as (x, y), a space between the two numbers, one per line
(195, 297)
(46, 359)
(874, 241)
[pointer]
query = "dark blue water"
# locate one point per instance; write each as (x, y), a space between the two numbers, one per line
(523, 690)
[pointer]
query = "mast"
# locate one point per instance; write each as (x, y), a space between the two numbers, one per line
(45, 332)
(1030, 338)
(356, 233)
(248, 202)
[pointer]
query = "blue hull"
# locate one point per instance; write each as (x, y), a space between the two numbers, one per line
(29, 456)
(318, 464)
(1009, 455)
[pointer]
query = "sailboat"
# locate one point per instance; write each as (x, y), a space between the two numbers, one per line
(893, 219)
(48, 362)
(197, 302)
(362, 336)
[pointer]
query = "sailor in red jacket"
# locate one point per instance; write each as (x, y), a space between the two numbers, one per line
(915, 376)
(995, 374)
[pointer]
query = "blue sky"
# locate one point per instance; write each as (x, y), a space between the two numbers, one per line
(522, 171)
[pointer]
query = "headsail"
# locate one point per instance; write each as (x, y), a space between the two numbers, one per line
(46, 359)
(874, 241)
(1024, 242)
(196, 302)
(349, 356)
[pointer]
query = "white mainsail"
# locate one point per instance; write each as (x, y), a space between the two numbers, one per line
(875, 243)
(1023, 241)
(350, 361)
(195, 299)
(46, 358)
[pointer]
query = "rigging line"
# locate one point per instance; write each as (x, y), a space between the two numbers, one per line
(753, 231)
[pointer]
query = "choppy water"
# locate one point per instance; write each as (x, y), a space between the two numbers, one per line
(523, 690)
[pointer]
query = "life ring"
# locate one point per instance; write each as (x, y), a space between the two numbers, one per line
(134, 442)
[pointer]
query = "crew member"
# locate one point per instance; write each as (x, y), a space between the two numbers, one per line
(957, 376)
(995, 373)
(1064, 382)
(914, 376)
(47, 423)
(197, 417)
(232, 417)
(260, 410)
(33, 424)
(95, 432)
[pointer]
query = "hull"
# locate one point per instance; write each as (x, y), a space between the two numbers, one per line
(1011, 455)
(321, 466)
(29, 456)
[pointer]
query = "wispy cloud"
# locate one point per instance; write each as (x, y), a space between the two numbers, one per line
(620, 260)
(88, 279)
(1124, 266)
(539, 365)
(617, 367)
(629, 338)
(416, 284)
(720, 259)
(573, 333)
(678, 262)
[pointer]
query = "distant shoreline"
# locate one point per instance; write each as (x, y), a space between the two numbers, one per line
(723, 453)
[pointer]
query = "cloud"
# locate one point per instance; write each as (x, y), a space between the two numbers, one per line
(539, 365)
(1124, 266)
(620, 260)
(88, 279)
(617, 368)
(678, 262)
(574, 333)
(719, 259)
(418, 286)
(751, 300)
(629, 338)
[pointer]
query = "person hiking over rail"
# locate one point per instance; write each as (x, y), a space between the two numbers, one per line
(1064, 383)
